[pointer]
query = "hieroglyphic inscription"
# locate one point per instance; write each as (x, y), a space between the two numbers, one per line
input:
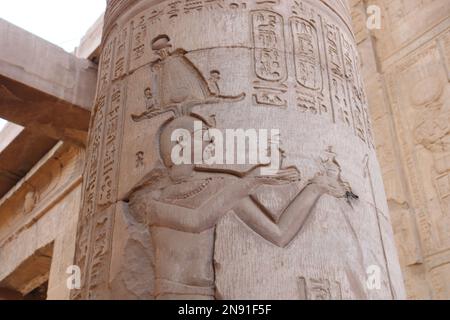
(338, 86)
(100, 188)
(356, 94)
(174, 9)
(184, 84)
(307, 60)
(320, 289)
(179, 7)
(120, 59)
(102, 221)
(90, 190)
(100, 256)
(91, 173)
(113, 127)
(105, 66)
(347, 93)
(269, 57)
(306, 54)
(167, 13)
(418, 195)
(270, 64)
(369, 130)
(443, 187)
(113, 10)
(138, 42)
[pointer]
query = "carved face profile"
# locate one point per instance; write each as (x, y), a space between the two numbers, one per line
(166, 145)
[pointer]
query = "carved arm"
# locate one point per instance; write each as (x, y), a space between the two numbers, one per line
(203, 218)
(291, 221)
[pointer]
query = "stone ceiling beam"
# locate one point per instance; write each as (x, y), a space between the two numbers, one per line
(44, 88)
(20, 150)
(89, 47)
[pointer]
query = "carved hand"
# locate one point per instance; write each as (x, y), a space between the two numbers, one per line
(331, 185)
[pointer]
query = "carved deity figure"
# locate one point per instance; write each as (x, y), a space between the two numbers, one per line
(408, 244)
(432, 126)
(432, 131)
(182, 204)
(149, 100)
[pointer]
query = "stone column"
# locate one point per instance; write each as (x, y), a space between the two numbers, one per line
(306, 220)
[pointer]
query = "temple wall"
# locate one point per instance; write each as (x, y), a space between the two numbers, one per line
(406, 70)
(38, 221)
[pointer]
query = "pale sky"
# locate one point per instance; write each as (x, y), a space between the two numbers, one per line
(62, 22)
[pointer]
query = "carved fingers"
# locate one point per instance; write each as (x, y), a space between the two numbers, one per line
(282, 177)
(288, 174)
(332, 186)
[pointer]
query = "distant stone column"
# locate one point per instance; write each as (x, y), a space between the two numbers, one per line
(231, 157)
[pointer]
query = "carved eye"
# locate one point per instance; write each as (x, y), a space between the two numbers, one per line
(161, 42)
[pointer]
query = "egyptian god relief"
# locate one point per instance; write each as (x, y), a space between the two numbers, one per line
(309, 228)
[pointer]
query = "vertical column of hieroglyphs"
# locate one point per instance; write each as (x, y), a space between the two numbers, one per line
(107, 193)
(269, 54)
(327, 64)
(93, 162)
(337, 83)
(100, 191)
(308, 61)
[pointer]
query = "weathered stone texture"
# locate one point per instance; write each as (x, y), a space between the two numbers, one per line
(20, 150)
(38, 220)
(44, 88)
(225, 232)
(293, 83)
(406, 70)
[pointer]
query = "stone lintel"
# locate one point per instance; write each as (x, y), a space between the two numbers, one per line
(44, 88)
(89, 47)
(20, 150)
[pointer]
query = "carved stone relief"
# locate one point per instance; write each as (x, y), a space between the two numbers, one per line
(418, 91)
(320, 289)
(291, 66)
